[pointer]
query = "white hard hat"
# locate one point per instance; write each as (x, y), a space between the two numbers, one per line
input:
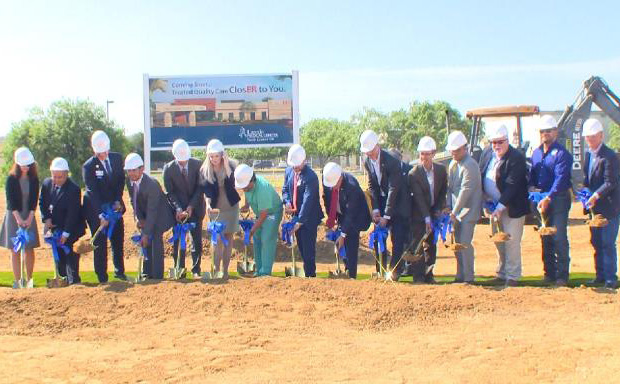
(215, 146)
(23, 157)
(368, 141)
(331, 174)
(133, 161)
(456, 139)
(243, 176)
(59, 164)
(100, 142)
(592, 127)
(427, 144)
(180, 150)
(498, 132)
(547, 122)
(296, 155)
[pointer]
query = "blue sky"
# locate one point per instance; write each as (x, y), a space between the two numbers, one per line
(350, 54)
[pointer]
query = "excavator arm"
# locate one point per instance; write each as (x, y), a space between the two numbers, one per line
(596, 91)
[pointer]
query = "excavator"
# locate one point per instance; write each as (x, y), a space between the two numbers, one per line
(594, 90)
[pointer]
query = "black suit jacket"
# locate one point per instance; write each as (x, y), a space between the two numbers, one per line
(182, 194)
(511, 180)
(148, 207)
(391, 181)
(355, 215)
(14, 194)
(604, 181)
(420, 192)
(212, 190)
(64, 208)
(101, 188)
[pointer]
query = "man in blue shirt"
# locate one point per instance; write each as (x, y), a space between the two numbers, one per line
(551, 174)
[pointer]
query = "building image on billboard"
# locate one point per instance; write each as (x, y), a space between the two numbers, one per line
(239, 110)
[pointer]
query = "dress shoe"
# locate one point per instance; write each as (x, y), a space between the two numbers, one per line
(548, 280)
(611, 284)
(598, 280)
(497, 281)
(122, 277)
(561, 283)
(430, 280)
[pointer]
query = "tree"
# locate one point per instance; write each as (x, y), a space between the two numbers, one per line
(613, 137)
(402, 129)
(329, 137)
(64, 130)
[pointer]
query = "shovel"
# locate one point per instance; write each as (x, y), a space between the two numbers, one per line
(454, 246)
(212, 275)
(58, 281)
(338, 273)
(23, 283)
(499, 236)
(378, 258)
(176, 272)
(597, 221)
(246, 268)
(544, 230)
(293, 270)
(140, 277)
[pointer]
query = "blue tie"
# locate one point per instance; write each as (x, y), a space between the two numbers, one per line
(108, 169)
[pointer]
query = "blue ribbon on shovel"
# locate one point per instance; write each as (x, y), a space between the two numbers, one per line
(537, 197)
(380, 235)
(333, 236)
(246, 225)
(217, 228)
(20, 240)
(137, 240)
(287, 230)
(111, 216)
(583, 196)
(441, 227)
(179, 231)
(491, 205)
(54, 241)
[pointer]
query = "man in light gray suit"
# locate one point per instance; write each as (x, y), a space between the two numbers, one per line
(152, 213)
(464, 203)
(181, 180)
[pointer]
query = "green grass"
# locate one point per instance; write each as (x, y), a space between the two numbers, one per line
(89, 278)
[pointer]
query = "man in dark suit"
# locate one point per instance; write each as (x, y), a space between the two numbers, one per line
(602, 177)
(349, 212)
(152, 213)
(385, 180)
(61, 211)
(428, 183)
(300, 196)
(104, 180)
(181, 180)
(504, 183)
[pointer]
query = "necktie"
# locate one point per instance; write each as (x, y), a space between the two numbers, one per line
(108, 168)
(184, 172)
(333, 207)
(55, 191)
(295, 182)
(136, 187)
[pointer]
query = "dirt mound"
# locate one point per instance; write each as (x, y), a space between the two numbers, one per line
(358, 304)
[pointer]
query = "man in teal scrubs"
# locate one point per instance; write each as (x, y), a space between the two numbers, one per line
(267, 207)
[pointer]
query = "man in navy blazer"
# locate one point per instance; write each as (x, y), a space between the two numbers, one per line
(350, 213)
(300, 195)
(602, 176)
(61, 211)
(105, 180)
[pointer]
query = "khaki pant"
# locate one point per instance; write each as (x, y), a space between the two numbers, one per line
(509, 252)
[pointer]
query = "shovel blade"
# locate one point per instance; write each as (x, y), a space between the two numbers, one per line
(177, 273)
(338, 274)
(245, 268)
(210, 276)
(57, 282)
(294, 272)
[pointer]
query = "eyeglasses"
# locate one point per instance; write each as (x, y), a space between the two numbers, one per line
(498, 142)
